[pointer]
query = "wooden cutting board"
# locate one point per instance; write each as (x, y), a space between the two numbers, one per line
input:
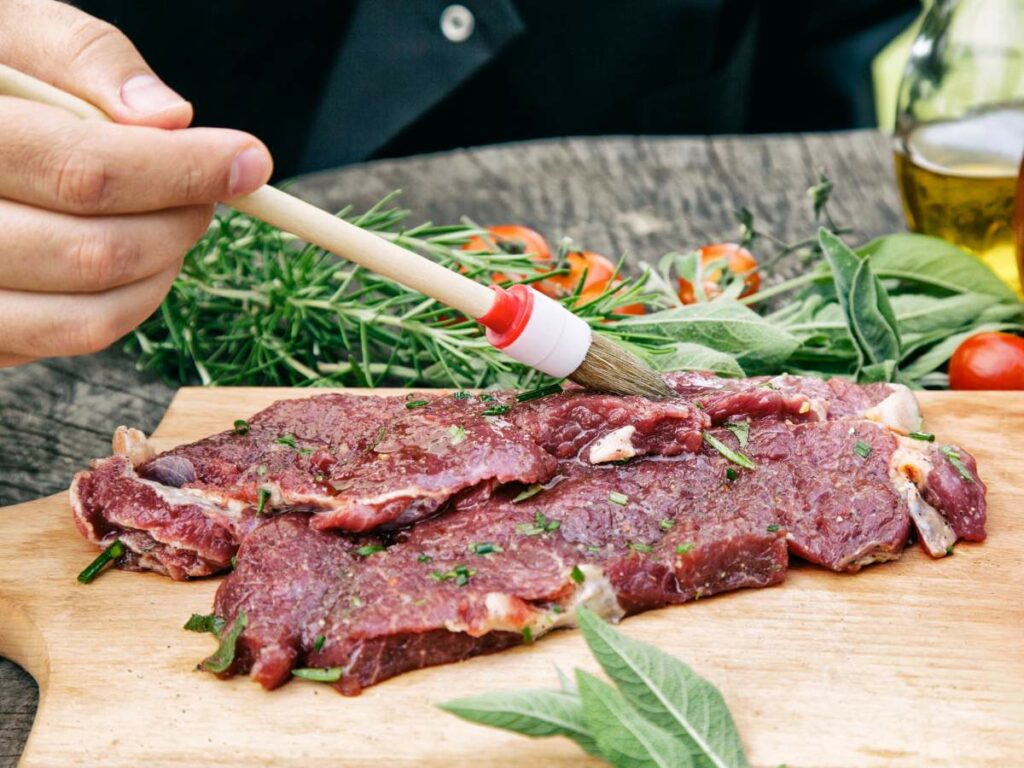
(917, 662)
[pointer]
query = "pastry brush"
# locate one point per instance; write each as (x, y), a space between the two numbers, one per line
(522, 322)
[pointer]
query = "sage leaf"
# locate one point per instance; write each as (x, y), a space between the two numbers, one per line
(872, 317)
(687, 356)
(666, 692)
(939, 354)
(724, 325)
(920, 313)
(624, 737)
(529, 712)
(934, 263)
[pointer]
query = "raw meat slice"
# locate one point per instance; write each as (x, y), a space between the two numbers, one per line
(617, 538)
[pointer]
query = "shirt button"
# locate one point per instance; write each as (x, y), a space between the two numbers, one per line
(457, 23)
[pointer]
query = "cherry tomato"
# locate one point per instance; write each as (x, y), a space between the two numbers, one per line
(600, 274)
(512, 238)
(738, 261)
(988, 361)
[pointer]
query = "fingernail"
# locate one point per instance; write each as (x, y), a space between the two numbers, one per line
(146, 94)
(249, 171)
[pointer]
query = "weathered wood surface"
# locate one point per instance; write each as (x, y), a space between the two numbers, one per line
(826, 670)
(645, 196)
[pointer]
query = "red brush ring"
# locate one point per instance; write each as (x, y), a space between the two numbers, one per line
(507, 317)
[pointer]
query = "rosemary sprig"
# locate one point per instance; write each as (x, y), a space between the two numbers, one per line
(254, 306)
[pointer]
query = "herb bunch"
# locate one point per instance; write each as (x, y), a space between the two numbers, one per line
(659, 712)
(253, 306)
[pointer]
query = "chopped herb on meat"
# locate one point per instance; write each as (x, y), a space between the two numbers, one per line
(741, 429)
(577, 575)
(667, 524)
(318, 643)
(456, 434)
(241, 427)
(682, 549)
(951, 453)
(639, 546)
(370, 549)
(416, 404)
(927, 437)
(460, 574)
(734, 456)
(539, 392)
(485, 548)
(862, 449)
(618, 498)
(541, 524)
(261, 500)
(496, 410)
(529, 493)
(773, 528)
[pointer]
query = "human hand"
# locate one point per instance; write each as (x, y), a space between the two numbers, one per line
(96, 216)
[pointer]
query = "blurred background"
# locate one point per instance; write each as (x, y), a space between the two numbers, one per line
(331, 82)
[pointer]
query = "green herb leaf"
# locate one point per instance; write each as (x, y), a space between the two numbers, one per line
(532, 713)
(204, 623)
(287, 439)
(625, 737)
(862, 449)
(927, 437)
(108, 555)
(416, 404)
(424, 558)
(534, 394)
(667, 693)
(319, 674)
(541, 524)
(741, 429)
(577, 575)
(370, 549)
(485, 548)
(685, 547)
(734, 456)
(456, 434)
(773, 528)
(618, 498)
(527, 636)
(241, 427)
(639, 546)
(222, 659)
(731, 474)
(667, 524)
(529, 493)
(688, 356)
(951, 453)
(318, 643)
(460, 574)
(496, 410)
(262, 497)
(462, 395)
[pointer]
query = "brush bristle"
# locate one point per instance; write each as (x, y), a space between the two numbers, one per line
(609, 367)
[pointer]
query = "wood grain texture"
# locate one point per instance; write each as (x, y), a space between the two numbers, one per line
(636, 194)
(911, 663)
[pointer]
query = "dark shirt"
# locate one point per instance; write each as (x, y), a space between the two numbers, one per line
(329, 82)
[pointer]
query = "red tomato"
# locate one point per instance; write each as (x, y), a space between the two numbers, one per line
(988, 361)
(600, 274)
(512, 238)
(738, 261)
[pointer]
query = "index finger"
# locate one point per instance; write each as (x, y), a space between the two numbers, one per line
(53, 160)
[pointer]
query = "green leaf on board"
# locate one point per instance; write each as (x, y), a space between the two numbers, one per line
(531, 713)
(668, 693)
(624, 737)
(222, 659)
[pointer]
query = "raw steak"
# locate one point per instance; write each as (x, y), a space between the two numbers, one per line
(617, 538)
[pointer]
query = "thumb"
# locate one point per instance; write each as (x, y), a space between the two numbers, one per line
(91, 59)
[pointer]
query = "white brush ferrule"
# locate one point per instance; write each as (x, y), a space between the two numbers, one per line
(553, 340)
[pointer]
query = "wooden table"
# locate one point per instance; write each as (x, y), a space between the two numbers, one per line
(644, 196)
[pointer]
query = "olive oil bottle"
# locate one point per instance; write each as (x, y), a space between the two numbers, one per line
(960, 127)
(958, 180)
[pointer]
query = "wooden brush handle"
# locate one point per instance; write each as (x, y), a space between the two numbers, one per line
(306, 221)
